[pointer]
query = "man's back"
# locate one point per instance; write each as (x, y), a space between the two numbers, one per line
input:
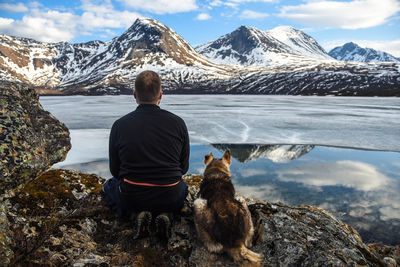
(149, 145)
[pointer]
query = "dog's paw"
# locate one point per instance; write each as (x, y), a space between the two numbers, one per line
(214, 247)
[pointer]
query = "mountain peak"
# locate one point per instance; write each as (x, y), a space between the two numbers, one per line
(300, 42)
(350, 46)
(353, 52)
(285, 28)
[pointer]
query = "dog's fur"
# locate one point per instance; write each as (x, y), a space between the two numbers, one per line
(222, 221)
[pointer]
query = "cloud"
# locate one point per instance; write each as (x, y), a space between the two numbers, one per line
(53, 26)
(252, 172)
(346, 15)
(392, 47)
(268, 193)
(246, 1)
(49, 26)
(203, 16)
(249, 14)
(161, 6)
(104, 16)
(235, 3)
(20, 7)
(358, 175)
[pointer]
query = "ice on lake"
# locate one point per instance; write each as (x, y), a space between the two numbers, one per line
(356, 122)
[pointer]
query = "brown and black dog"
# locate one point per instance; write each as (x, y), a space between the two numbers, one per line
(223, 221)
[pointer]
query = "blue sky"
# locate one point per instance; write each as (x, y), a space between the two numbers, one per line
(370, 23)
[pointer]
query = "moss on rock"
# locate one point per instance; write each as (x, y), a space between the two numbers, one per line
(31, 138)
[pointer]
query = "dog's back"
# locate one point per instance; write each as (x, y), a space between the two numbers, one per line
(228, 214)
(222, 221)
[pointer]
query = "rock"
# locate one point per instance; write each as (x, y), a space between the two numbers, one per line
(60, 219)
(31, 138)
(31, 141)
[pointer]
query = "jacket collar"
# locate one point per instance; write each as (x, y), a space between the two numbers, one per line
(147, 106)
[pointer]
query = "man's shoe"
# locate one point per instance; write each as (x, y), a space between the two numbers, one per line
(142, 224)
(163, 225)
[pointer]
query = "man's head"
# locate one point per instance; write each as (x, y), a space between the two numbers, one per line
(148, 88)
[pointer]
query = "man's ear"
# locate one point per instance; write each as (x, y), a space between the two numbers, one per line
(208, 158)
(159, 97)
(134, 94)
(227, 157)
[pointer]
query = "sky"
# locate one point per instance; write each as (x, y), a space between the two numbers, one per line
(369, 23)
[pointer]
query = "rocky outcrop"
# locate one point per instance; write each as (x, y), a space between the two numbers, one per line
(60, 220)
(31, 141)
(31, 138)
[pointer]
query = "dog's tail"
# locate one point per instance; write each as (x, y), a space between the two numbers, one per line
(244, 256)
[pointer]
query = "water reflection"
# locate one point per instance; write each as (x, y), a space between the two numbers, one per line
(360, 187)
(355, 174)
(277, 153)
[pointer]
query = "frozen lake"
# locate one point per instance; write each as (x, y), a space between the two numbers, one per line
(356, 122)
(339, 153)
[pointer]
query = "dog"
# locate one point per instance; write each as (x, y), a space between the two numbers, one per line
(223, 221)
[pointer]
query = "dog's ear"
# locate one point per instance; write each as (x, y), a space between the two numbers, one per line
(208, 158)
(227, 157)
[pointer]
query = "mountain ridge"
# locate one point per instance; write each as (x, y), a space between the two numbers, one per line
(97, 67)
(352, 52)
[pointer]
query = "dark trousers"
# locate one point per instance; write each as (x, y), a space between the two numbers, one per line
(112, 196)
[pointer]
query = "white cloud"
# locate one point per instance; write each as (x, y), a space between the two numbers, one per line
(162, 6)
(358, 175)
(50, 26)
(104, 16)
(235, 3)
(245, 1)
(347, 15)
(249, 14)
(5, 21)
(268, 193)
(20, 7)
(54, 26)
(203, 16)
(251, 172)
(216, 3)
(392, 47)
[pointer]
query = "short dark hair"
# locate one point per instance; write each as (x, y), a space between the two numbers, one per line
(147, 86)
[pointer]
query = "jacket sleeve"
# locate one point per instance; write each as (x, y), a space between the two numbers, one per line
(113, 152)
(185, 150)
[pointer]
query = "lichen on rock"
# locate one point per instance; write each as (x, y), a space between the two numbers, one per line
(31, 138)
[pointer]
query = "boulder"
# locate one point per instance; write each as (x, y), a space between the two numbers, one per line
(31, 140)
(59, 219)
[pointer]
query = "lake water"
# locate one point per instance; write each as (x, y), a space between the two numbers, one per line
(339, 153)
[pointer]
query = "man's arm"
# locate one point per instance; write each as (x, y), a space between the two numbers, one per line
(113, 152)
(185, 150)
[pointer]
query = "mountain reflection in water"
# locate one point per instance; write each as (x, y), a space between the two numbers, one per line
(361, 187)
(277, 153)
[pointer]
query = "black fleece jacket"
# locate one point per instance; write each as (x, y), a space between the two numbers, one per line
(149, 145)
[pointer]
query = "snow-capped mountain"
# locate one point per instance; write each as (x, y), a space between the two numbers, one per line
(112, 65)
(353, 52)
(251, 46)
(244, 46)
(275, 153)
(294, 64)
(299, 42)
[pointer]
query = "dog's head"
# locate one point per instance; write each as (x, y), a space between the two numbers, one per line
(220, 165)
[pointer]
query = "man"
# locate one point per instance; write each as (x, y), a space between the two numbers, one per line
(149, 153)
